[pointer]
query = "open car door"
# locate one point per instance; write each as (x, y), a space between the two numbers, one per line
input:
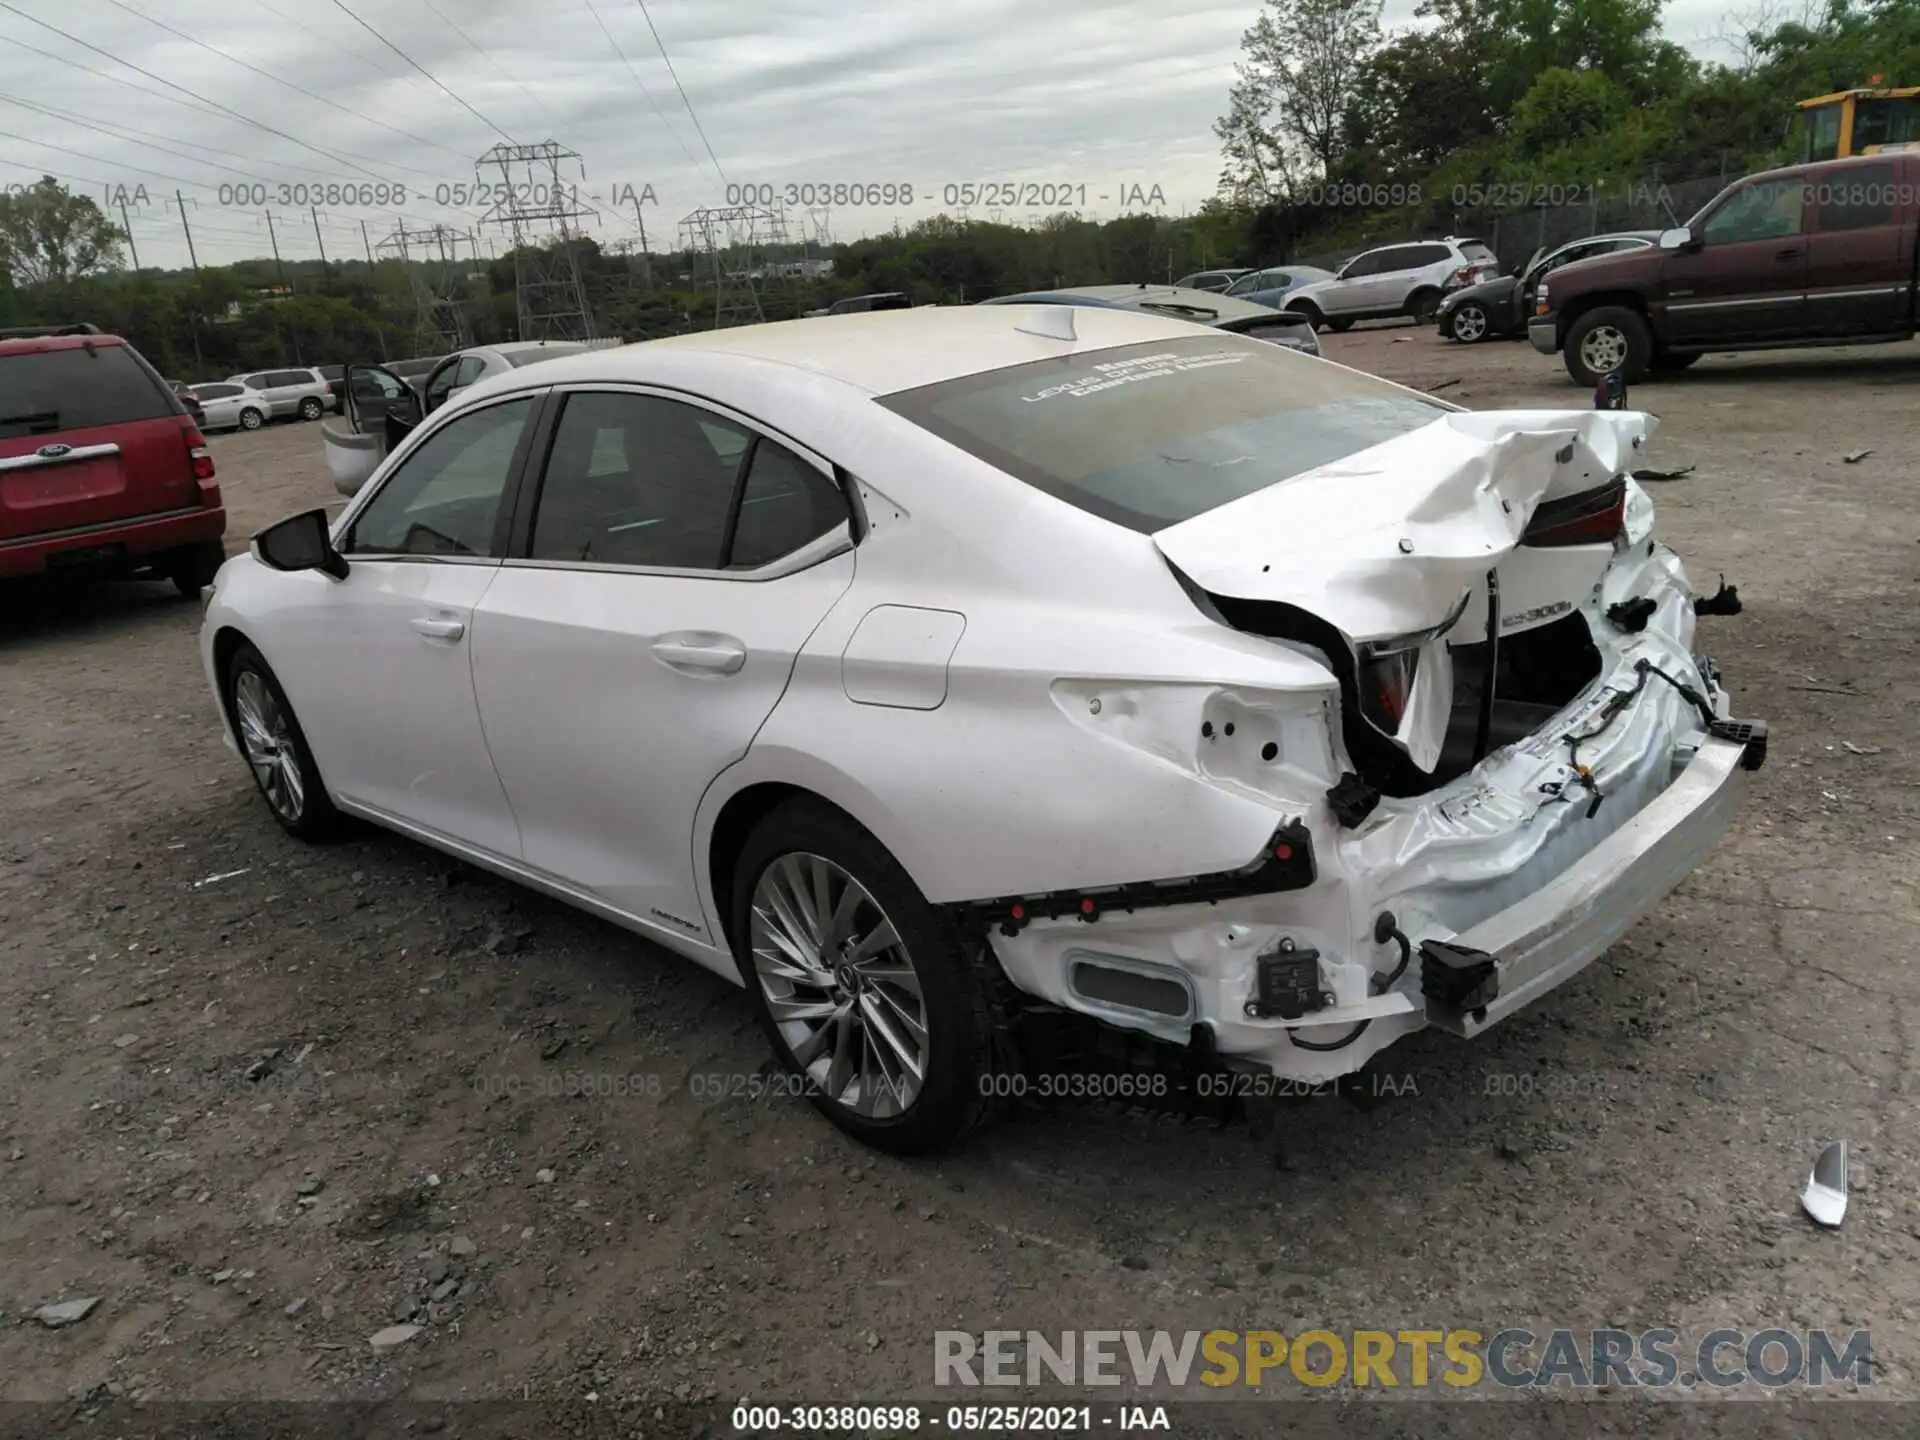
(378, 411)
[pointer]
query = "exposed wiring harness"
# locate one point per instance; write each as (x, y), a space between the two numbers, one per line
(1384, 929)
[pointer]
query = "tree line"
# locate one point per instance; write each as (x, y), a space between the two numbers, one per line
(1334, 134)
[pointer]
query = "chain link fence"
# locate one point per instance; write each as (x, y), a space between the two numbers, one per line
(1515, 232)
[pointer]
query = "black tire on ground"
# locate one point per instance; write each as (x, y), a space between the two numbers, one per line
(1312, 312)
(1605, 339)
(310, 408)
(314, 818)
(251, 419)
(958, 1058)
(1339, 327)
(192, 567)
(1423, 305)
(1469, 323)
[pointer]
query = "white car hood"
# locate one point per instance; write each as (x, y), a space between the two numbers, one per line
(1386, 541)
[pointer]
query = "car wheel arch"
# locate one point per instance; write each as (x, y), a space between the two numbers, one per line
(1580, 305)
(718, 843)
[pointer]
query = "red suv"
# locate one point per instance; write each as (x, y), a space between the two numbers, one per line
(101, 469)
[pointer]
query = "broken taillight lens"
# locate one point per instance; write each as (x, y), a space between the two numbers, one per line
(1593, 517)
(1386, 684)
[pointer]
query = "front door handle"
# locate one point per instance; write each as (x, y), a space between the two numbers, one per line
(437, 628)
(718, 654)
(1791, 253)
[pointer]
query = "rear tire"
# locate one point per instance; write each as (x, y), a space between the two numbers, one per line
(1339, 327)
(276, 750)
(1311, 311)
(830, 932)
(251, 419)
(193, 567)
(1606, 339)
(1423, 305)
(310, 408)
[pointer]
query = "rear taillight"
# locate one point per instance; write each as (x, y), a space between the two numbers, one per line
(1464, 274)
(197, 450)
(1593, 517)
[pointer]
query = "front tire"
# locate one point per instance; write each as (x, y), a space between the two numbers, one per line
(310, 408)
(251, 419)
(193, 567)
(1606, 339)
(862, 987)
(1469, 324)
(276, 749)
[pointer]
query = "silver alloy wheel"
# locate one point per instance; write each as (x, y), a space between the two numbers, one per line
(840, 985)
(1603, 349)
(309, 409)
(1469, 324)
(266, 735)
(249, 419)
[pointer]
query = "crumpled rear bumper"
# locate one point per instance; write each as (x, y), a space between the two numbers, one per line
(1554, 933)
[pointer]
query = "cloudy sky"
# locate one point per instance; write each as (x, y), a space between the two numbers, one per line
(374, 114)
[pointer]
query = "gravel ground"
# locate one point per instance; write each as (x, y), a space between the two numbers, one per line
(265, 1101)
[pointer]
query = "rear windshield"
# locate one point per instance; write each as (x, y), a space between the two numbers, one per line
(1474, 250)
(49, 390)
(1150, 435)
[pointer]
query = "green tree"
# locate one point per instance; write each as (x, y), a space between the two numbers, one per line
(50, 236)
(1303, 65)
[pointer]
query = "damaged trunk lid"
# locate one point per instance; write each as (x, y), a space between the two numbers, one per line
(1458, 535)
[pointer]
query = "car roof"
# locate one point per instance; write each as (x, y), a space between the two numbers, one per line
(877, 352)
(40, 344)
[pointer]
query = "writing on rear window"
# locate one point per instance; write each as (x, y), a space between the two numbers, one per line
(1127, 372)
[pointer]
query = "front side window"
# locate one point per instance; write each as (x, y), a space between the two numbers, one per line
(256, 382)
(1149, 435)
(1762, 210)
(638, 480)
(1823, 132)
(1372, 263)
(445, 497)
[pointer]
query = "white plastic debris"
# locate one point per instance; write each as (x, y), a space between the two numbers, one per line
(1826, 1196)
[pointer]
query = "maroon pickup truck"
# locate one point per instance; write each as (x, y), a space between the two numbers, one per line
(1810, 255)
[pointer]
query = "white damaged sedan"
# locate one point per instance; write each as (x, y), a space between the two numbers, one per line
(961, 678)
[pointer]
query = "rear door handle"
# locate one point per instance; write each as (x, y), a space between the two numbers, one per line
(718, 654)
(438, 629)
(1789, 254)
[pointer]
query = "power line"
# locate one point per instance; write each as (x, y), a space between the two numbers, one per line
(147, 140)
(691, 158)
(423, 70)
(454, 25)
(104, 160)
(12, 9)
(678, 86)
(147, 137)
(298, 89)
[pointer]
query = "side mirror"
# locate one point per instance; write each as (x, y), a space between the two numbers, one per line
(301, 542)
(1680, 238)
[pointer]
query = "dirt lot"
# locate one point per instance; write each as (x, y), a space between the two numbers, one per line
(264, 1100)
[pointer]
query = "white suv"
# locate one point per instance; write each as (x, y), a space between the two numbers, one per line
(290, 392)
(1395, 280)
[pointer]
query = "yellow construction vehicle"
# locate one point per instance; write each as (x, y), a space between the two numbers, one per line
(1860, 122)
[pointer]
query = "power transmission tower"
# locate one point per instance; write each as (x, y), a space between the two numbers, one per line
(736, 244)
(439, 324)
(539, 209)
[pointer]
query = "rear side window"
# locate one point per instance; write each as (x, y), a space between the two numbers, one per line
(1149, 435)
(784, 504)
(638, 480)
(1856, 198)
(74, 389)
